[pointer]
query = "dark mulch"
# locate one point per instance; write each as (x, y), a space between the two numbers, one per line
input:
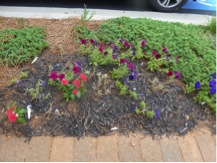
(101, 109)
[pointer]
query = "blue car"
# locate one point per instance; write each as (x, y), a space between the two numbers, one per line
(168, 5)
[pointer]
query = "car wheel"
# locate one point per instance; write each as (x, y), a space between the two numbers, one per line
(167, 5)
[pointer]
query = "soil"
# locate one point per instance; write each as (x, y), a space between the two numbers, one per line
(101, 111)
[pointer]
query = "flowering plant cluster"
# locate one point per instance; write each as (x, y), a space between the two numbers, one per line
(16, 114)
(71, 82)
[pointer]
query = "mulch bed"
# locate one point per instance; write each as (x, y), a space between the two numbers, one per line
(101, 111)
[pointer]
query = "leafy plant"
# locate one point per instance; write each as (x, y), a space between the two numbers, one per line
(123, 88)
(120, 72)
(21, 45)
(212, 25)
(16, 113)
(133, 95)
(70, 86)
(22, 75)
(34, 92)
(85, 16)
(150, 114)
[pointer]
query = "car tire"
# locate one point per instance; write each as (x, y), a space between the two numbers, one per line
(158, 7)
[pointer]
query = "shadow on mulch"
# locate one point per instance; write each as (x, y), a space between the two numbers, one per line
(101, 111)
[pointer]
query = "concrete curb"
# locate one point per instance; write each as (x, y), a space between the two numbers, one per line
(59, 13)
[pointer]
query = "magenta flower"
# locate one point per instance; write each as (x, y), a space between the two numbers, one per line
(76, 69)
(114, 56)
(101, 48)
(170, 73)
(143, 42)
(53, 75)
(178, 75)
(122, 61)
(83, 41)
(130, 66)
(157, 56)
(154, 53)
(127, 44)
(164, 50)
(92, 41)
(61, 76)
(121, 40)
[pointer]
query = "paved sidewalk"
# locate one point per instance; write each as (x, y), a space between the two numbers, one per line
(197, 146)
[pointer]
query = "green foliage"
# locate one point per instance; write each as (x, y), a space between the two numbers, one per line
(123, 88)
(85, 16)
(17, 46)
(133, 95)
(192, 44)
(22, 75)
(20, 22)
(212, 25)
(138, 111)
(142, 105)
(120, 72)
(34, 92)
(150, 114)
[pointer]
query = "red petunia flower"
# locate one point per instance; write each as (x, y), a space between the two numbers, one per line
(131, 66)
(143, 43)
(12, 117)
(75, 91)
(64, 82)
(83, 41)
(83, 77)
(77, 83)
(101, 48)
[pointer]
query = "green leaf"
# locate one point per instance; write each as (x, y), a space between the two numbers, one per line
(79, 94)
(22, 111)
(72, 96)
(21, 120)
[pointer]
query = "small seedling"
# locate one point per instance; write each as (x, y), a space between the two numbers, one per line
(34, 92)
(85, 16)
(150, 114)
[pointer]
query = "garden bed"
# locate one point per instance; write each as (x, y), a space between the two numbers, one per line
(101, 110)
(151, 97)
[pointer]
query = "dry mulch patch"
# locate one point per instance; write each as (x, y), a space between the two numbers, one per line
(101, 110)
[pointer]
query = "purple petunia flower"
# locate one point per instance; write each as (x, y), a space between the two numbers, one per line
(83, 41)
(18, 82)
(53, 75)
(43, 84)
(61, 76)
(213, 76)
(212, 83)
(133, 108)
(126, 82)
(135, 74)
(131, 77)
(156, 112)
(164, 50)
(76, 69)
(143, 42)
(78, 63)
(213, 90)
(115, 49)
(178, 75)
(197, 85)
(134, 53)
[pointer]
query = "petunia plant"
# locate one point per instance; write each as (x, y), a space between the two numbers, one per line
(71, 82)
(16, 113)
